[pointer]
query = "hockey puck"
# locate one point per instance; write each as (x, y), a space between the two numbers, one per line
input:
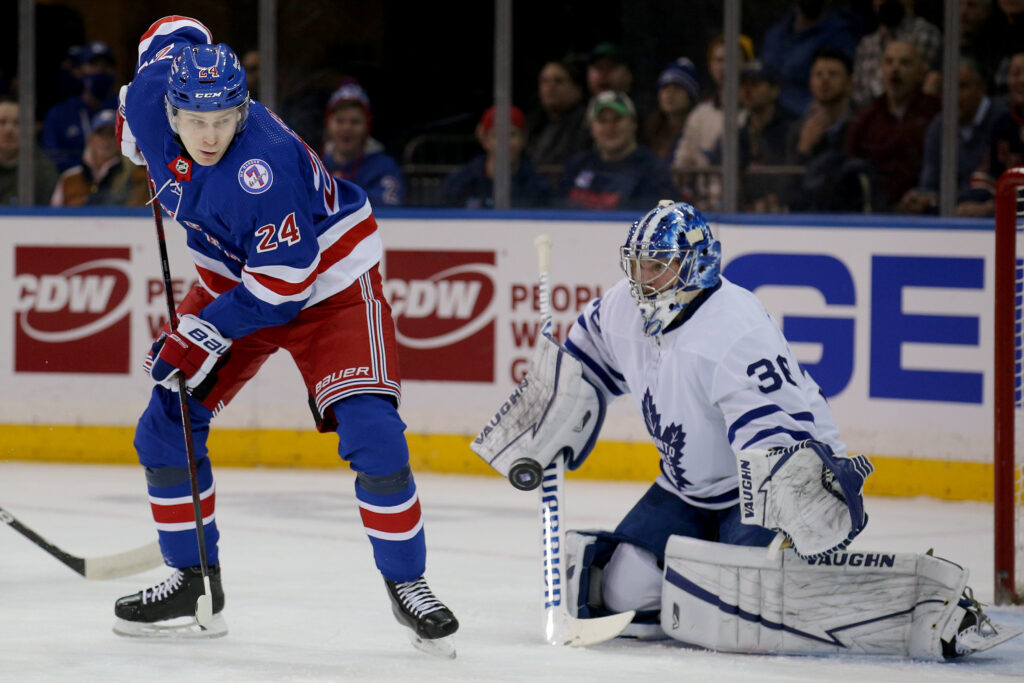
(525, 474)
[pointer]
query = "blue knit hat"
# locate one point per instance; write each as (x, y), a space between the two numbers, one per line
(683, 73)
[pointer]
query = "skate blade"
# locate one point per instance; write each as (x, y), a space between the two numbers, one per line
(181, 629)
(438, 647)
(977, 642)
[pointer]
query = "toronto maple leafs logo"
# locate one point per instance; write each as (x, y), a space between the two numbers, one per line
(670, 442)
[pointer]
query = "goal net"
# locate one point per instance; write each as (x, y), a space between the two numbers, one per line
(1009, 425)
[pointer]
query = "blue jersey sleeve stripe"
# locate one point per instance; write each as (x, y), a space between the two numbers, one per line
(751, 415)
(615, 374)
(594, 367)
(582, 322)
(765, 433)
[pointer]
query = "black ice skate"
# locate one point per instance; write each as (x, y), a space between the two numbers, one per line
(976, 632)
(168, 609)
(430, 623)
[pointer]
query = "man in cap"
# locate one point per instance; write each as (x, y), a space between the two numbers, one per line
(351, 154)
(762, 139)
(104, 178)
(619, 173)
(472, 185)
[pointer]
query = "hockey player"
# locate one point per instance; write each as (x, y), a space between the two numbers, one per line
(749, 447)
(287, 258)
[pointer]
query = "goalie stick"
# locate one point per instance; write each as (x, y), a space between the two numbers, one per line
(106, 567)
(561, 628)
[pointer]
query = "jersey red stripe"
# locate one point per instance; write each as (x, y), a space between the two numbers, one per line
(347, 242)
(215, 281)
(283, 287)
(151, 31)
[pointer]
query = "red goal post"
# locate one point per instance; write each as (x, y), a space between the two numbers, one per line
(1008, 451)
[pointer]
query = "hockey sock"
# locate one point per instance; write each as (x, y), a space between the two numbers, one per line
(371, 439)
(160, 443)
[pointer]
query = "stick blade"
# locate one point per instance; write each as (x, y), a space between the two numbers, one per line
(124, 564)
(566, 630)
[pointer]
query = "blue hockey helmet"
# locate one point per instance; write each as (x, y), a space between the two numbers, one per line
(669, 256)
(207, 78)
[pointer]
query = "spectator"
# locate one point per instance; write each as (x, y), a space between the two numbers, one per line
(976, 115)
(1006, 148)
(791, 43)
(351, 154)
(45, 172)
(1007, 39)
(678, 93)
(889, 133)
(251, 63)
(67, 124)
(607, 69)
(700, 145)
(618, 173)
(818, 139)
(472, 185)
(896, 21)
(104, 178)
(762, 138)
(557, 129)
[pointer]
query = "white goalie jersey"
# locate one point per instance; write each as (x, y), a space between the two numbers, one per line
(723, 381)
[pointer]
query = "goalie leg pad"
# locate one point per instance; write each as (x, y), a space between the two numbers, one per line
(737, 599)
(554, 410)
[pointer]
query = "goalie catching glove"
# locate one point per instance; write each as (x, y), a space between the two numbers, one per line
(193, 348)
(554, 410)
(807, 492)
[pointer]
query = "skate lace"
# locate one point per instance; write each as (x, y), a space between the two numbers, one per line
(163, 589)
(984, 626)
(417, 597)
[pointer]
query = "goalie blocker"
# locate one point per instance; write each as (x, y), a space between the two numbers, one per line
(737, 599)
(554, 411)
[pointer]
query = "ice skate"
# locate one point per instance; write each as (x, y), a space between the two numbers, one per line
(430, 623)
(976, 632)
(168, 609)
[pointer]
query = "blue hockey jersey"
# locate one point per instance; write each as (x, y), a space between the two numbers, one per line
(270, 230)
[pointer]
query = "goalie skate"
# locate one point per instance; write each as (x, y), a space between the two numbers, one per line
(975, 632)
(168, 609)
(430, 624)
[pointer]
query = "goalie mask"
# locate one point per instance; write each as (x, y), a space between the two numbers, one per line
(207, 78)
(669, 256)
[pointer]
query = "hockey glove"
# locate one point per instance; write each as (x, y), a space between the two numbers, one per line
(807, 492)
(193, 348)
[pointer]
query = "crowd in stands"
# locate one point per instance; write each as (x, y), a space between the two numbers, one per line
(838, 113)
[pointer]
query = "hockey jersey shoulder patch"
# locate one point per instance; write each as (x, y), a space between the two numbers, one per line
(255, 176)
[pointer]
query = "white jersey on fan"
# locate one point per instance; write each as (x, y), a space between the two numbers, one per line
(723, 380)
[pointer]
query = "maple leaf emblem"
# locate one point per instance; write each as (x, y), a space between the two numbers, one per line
(669, 441)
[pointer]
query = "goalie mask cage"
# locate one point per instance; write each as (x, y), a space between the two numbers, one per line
(1008, 455)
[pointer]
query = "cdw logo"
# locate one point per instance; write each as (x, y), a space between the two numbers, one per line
(444, 305)
(72, 309)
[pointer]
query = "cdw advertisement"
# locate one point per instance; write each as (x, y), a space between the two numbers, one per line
(895, 324)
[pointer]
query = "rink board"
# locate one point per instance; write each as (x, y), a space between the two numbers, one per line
(893, 318)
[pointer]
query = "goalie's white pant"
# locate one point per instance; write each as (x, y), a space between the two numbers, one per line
(736, 599)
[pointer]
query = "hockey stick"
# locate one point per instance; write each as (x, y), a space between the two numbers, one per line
(106, 567)
(561, 628)
(204, 605)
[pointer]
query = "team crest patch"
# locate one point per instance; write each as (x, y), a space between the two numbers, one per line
(255, 176)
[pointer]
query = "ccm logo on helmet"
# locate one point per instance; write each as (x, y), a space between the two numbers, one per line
(207, 94)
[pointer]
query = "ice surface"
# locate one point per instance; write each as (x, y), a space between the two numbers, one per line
(305, 602)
